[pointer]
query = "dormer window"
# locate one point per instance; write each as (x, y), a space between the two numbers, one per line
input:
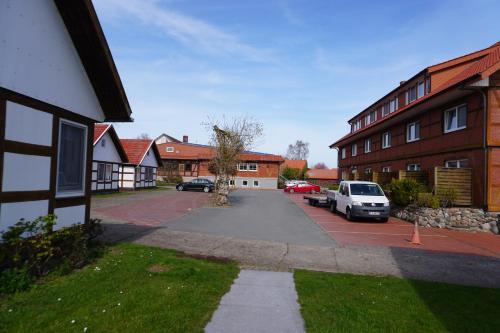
(170, 149)
(411, 94)
(393, 104)
(371, 118)
(420, 89)
(385, 109)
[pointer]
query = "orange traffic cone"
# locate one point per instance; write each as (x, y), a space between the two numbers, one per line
(415, 238)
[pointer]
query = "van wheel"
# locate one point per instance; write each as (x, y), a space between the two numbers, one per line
(348, 214)
(180, 188)
(333, 206)
(206, 189)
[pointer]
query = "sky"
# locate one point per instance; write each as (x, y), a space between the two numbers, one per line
(300, 67)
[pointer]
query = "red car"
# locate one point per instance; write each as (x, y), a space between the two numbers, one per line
(303, 188)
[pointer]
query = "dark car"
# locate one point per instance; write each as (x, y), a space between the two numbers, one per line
(197, 184)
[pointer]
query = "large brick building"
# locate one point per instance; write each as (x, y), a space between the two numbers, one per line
(189, 160)
(446, 115)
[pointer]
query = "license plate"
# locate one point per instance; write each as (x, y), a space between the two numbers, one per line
(373, 213)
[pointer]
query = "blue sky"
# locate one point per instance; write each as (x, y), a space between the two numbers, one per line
(302, 68)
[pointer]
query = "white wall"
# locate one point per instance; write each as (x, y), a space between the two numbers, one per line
(24, 124)
(12, 212)
(69, 215)
(38, 58)
(150, 160)
(25, 172)
(108, 153)
(128, 179)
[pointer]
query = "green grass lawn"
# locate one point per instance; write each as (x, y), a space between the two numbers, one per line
(120, 193)
(132, 288)
(351, 303)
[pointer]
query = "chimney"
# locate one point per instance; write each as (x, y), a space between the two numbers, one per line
(185, 139)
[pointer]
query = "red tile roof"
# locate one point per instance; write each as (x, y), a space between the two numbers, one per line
(99, 130)
(192, 151)
(486, 65)
(136, 149)
(322, 174)
(295, 164)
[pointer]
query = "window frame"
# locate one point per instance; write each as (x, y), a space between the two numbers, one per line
(354, 150)
(416, 167)
(386, 168)
(389, 135)
(420, 84)
(408, 139)
(368, 144)
(446, 117)
(343, 153)
(256, 181)
(106, 173)
(251, 164)
(243, 183)
(103, 174)
(458, 161)
(169, 149)
(82, 191)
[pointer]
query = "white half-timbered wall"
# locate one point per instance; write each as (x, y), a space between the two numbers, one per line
(134, 177)
(106, 154)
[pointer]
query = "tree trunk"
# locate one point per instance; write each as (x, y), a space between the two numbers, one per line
(221, 190)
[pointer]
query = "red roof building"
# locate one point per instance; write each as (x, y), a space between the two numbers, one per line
(447, 115)
(295, 164)
(143, 162)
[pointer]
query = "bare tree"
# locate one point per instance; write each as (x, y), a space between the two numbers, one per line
(230, 140)
(144, 136)
(298, 151)
(320, 165)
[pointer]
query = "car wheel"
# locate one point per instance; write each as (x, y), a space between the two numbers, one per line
(292, 191)
(313, 192)
(348, 214)
(206, 189)
(333, 206)
(180, 188)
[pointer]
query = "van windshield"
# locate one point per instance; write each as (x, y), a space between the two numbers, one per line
(366, 189)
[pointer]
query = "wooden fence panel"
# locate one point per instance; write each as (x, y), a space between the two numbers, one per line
(458, 181)
(420, 176)
(383, 178)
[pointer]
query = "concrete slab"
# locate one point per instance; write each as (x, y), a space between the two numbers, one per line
(259, 301)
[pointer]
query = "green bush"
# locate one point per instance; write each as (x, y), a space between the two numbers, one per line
(333, 187)
(428, 200)
(404, 192)
(448, 197)
(31, 249)
(293, 173)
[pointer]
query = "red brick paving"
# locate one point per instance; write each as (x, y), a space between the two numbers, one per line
(397, 233)
(156, 210)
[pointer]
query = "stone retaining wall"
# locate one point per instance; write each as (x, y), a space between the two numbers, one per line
(471, 219)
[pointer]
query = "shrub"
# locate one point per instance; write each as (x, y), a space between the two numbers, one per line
(448, 197)
(333, 187)
(428, 200)
(31, 249)
(404, 192)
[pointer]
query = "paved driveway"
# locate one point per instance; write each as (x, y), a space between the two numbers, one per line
(259, 215)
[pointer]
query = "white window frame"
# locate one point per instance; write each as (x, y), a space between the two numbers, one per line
(231, 182)
(246, 167)
(255, 183)
(420, 84)
(368, 145)
(101, 179)
(250, 167)
(386, 143)
(78, 193)
(413, 167)
(354, 150)
(458, 162)
(386, 169)
(393, 105)
(242, 167)
(408, 131)
(343, 153)
(408, 94)
(243, 183)
(169, 149)
(108, 176)
(446, 118)
(368, 170)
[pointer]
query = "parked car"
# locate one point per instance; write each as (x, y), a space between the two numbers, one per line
(197, 184)
(294, 182)
(303, 187)
(359, 199)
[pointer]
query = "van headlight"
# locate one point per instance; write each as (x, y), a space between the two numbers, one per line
(386, 204)
(357, 203)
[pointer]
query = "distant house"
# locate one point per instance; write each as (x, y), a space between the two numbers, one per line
(143, 160)
(189, 160)
(323, 177)
(294, 164)
(108, 158)
(293, 169)
(57, 78)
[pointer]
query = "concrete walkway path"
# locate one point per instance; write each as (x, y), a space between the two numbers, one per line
(259, 301)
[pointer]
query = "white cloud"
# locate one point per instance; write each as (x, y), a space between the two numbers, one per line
(192, 32)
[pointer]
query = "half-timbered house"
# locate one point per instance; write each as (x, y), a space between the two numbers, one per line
(108, 158)
(57, 78)
(143, 160)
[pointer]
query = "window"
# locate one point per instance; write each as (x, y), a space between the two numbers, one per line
(149, 174)
(109, 172)
(354, 150)
(231, 182)
(247, 167)
(138, 173)
(413, 167)
(252, 166)
(256, 183)
(370, 118)
(244, 183)
(457, 164)
(368, 170)
(411, 94)
(101, 170)
(386, 140)
(71, 158)
(103, 142)
(455, 119)
(356, 125)
(386, 169)
(413, 132)
(343, 153)
(386, 109)
(242, 167)
(420, 89)
(170, 149)
(368, 145)
(428, 85)
(393, 105)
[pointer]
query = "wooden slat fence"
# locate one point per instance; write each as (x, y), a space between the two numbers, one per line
(420, 176)
(459, 181)
(383, 178)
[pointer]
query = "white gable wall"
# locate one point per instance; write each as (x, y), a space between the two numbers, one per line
(38, 58)
(150, 160)
(108, 153)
